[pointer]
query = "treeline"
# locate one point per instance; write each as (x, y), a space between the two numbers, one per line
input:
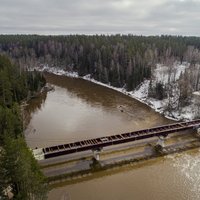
(121, 60)
(16, 85)
(18, 168)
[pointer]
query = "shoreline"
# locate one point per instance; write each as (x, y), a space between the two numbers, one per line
(61, 72)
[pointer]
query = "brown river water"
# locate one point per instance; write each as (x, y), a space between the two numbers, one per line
(77, 110)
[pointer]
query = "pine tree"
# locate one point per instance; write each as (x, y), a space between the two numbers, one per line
(19, 170)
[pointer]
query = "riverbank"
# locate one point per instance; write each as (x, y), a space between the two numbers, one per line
(140, 93)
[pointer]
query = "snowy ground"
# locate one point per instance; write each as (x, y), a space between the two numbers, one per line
(164, 74)
(161, 74)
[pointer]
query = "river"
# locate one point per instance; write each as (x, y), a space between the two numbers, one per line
(78, 109)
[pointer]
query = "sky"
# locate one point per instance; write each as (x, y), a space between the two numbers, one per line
(137, 17)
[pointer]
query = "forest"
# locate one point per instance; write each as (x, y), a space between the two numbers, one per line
(119, 60)
(18, 168)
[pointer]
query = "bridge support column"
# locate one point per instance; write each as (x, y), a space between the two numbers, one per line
(198, 131)
(161, 141)
(96, 153)
(159, 145)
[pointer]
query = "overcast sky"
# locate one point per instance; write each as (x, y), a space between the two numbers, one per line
(143, 17)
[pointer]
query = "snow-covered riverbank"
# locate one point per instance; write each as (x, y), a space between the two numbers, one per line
(141, 92)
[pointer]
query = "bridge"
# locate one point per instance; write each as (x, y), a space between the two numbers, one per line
(96, 144)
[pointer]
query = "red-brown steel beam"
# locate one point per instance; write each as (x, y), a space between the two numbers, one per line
(118, 139)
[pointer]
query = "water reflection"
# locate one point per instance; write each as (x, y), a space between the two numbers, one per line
(78, 110)
(94, 94)
(34, 106)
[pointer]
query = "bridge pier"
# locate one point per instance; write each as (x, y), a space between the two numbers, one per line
(96, 153)
(160, 144)
(161, 141)
(198, 131)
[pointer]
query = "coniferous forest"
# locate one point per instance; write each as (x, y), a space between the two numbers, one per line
(121, 60)
(18, 168)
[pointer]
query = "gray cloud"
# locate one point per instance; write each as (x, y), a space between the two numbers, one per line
(178, 17)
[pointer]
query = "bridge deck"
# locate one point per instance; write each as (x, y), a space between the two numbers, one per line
(100, 142)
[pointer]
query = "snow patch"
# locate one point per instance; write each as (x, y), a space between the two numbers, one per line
(163, 73)
(54, 70)
(142, 91)
(196, 93)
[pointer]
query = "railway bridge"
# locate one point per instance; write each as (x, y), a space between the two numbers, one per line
(96, 144)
